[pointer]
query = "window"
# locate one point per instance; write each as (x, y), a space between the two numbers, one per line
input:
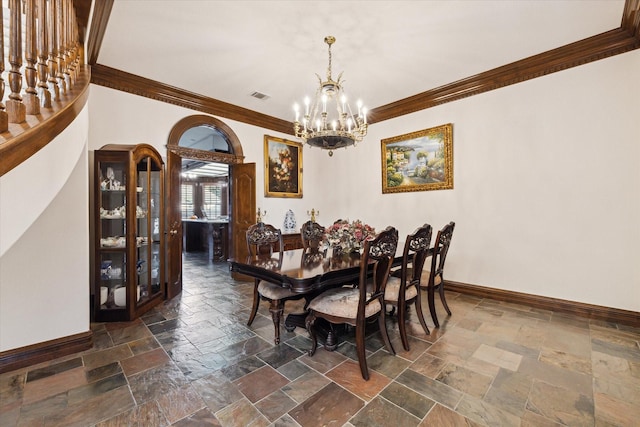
(211, 200)
(186, 195)
(206, 138)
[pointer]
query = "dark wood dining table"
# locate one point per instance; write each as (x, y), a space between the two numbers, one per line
(307, 273)
(299, 270)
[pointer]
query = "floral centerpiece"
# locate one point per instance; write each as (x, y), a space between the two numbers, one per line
(348, 237)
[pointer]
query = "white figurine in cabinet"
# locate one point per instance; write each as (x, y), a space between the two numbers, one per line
(110, 183)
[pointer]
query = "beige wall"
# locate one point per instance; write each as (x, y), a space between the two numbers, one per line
(543, 169)
(44, 229)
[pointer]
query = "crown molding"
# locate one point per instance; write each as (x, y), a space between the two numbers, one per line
(101, 14)
(591, 49)
(137, 85)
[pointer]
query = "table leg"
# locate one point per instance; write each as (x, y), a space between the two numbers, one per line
(219, 242)
(295, 320)
(325, 331)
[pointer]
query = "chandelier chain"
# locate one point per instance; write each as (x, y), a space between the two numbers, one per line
(329, 42)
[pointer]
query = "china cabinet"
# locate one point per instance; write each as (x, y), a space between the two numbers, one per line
(129, 240)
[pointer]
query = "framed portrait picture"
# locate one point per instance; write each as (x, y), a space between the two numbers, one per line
(418, 161)
(282, 168)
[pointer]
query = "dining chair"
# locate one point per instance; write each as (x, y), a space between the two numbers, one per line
(355, 306)
(262, 241)
(404, 290)
(436, 271)
(312, 234)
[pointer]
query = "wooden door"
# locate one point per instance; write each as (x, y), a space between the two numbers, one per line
(243, 209)
(174, 226)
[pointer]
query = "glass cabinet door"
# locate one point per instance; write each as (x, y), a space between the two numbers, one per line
(111, 230)
(155, 223)
(148, 229)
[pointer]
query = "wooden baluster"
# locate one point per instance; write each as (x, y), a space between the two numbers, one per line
(75, 43)
(60, 47)
(43, 69)
(15, 108)
(31, 101)
(67, 43)
(74, 49)
(4, 120)
(70, 71)
(52, 60)
(64, 48)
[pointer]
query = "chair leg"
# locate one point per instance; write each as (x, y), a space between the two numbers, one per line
(360, 349)
(382, 325)
(276, 308)
(402, 313)
(432, 305)
(442, 298)
(256, 301)
(418, 305)
(310, 324)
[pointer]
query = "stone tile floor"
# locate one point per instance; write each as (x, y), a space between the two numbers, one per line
(193, 362)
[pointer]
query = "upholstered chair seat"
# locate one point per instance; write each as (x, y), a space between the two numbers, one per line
(275, 292)
(437, 280)
(392, 291)
(343, 302)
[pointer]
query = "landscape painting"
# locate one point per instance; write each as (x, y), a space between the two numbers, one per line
(418, 161)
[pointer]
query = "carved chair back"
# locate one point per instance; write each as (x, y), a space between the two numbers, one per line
(264, 239)
(375, 263)
(312, 234)
(416, 251)
(440, 250)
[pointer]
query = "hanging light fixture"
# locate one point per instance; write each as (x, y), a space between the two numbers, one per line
(328, 122)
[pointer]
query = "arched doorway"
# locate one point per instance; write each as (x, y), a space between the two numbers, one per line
(204, 139)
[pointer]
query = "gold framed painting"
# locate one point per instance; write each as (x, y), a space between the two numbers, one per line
(282, 167)
(418, 161)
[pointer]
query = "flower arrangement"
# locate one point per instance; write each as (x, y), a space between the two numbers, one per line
(348, 236)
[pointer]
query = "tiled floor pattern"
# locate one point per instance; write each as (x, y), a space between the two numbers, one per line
(194, 362)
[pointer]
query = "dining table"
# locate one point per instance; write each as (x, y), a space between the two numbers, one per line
(308, 273)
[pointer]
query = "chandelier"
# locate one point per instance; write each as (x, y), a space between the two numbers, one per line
(328, 122)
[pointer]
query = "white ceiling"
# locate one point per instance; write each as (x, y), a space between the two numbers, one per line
(388, 50)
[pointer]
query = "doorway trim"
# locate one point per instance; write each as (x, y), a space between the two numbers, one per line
(175, 154)
(237, 156)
